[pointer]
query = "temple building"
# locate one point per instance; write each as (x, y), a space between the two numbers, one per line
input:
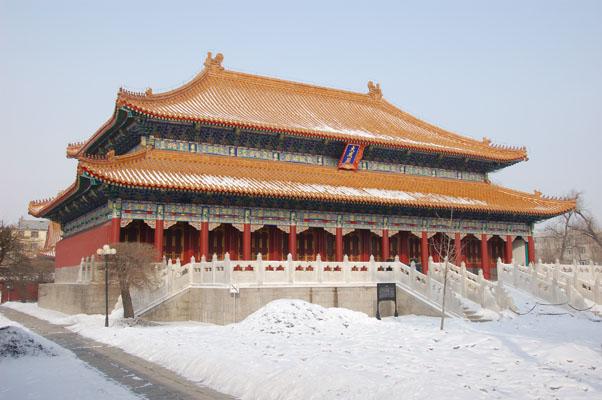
(242, 164)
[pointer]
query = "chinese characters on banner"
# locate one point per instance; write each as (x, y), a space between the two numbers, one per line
(351, 156)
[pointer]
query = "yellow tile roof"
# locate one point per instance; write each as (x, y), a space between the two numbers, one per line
(249, 177)
(243, 100)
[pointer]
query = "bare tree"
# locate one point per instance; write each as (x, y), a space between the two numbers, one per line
(587, 225)
(11, 247)
(561, 228)
(446, 250)
(133, 266)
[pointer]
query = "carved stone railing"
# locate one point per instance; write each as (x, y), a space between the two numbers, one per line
(174, 278)
(556, 283)
(474, 287)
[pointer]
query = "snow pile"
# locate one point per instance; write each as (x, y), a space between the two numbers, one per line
(291, 349)
(15, 343)
(296, 317)
(32, 367)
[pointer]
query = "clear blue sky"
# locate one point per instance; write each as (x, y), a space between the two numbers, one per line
(519, 72)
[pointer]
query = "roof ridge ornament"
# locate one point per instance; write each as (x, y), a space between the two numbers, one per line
(374, 90)
(214, 63)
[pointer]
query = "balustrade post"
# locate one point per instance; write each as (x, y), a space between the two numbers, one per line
(91, 269)
(191, 270)
(598, 290)
(413, 275)
(397, 269)
(554, 287)
(319, 268)
(203, 266)
(430, 265)
(260, 269)
(500, 269)
(534, 284)
(346, 269)
(213, 267)
(515, 272)
(80, 273)
(464, 279)
(499, 294)
(481, 288)
(372, 269)
(227, 269)
(290, 268)
(427, 278)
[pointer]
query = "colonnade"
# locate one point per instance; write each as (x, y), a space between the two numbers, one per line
(183, 240)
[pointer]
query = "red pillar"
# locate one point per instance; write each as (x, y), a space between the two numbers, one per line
(339, 244)
(115, 228)
(404, 247)
(485, 264)
(458, 248)
(385, 246)
(246, 242)
(424, 252)
(204, 246)
(531, 248)
(508, 250)
(292, 241)
(159, 239)
(365, 245)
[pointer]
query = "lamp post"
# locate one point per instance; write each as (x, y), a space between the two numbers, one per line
(106, 251)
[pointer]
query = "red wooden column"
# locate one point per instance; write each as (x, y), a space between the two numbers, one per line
(485, 264)
(365, 245)
(458, 248)
(531, 248)
(404, 247)
(159, 231)
(204, 240)
(115, 228)
(339, 244)
(292, 241)
(424, 252)
(385, 245)
(246, 242)
(115, 222)
(508, 250)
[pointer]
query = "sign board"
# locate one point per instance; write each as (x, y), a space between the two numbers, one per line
(385, 292)
(351, 156)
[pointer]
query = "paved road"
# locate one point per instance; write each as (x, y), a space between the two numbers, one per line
(141, 377)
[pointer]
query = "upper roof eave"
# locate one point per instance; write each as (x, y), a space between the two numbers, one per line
(213, 73)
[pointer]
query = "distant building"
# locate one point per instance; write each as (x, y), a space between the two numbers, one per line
(32, 234)
(579, 248)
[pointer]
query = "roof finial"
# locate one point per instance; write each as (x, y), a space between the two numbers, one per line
(214, 64)
(374, 90)
(148, 92)
(486, 141)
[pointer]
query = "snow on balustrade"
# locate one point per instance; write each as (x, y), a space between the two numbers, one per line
(174, 278)
(579, 286)
(474, 287)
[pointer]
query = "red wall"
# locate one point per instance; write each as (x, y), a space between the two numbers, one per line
(20, 291)
(69, 251)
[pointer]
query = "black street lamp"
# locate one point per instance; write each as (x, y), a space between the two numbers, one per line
(106, 251)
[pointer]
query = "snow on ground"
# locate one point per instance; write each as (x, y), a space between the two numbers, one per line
(32, 367)
(291, 349)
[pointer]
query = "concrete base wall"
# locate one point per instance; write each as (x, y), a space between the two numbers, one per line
(66, 274)
(218, 306)
(72, 298)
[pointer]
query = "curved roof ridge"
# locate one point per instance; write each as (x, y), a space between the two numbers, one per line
(217, 95)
